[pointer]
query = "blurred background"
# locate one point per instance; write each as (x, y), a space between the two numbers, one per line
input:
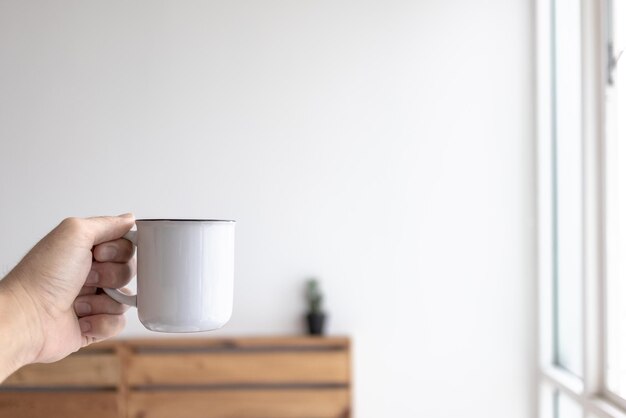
(385, 147)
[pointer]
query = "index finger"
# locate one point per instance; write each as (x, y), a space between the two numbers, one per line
(109, 228)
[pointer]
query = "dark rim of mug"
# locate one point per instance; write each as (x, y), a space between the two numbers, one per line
(184, 220)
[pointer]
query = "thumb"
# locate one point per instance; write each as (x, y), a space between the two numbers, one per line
(108, 228)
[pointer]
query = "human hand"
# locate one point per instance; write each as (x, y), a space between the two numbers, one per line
(49, 304)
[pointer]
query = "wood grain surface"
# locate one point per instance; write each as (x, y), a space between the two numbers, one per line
(98, 370)
(252, 377)
(59, 405)
(325, 403)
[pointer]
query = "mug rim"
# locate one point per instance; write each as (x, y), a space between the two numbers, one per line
(184, 220)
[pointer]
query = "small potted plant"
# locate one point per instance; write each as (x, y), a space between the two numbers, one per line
(315, 317)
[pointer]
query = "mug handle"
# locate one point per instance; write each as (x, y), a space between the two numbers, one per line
(123, 298)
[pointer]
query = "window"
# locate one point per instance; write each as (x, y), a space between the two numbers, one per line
(615, 367)
(566, 97)
(581, 122)
(566, 407)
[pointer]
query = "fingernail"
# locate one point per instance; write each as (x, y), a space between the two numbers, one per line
(92, 277)
(108, 252)
(82, 308)
(125, 215)
(84, 326)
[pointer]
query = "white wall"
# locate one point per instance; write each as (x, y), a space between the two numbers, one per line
(384, 146)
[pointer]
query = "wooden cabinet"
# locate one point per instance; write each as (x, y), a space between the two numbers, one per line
(283, 377)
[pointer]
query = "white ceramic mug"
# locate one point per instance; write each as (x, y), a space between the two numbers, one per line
(185, 270)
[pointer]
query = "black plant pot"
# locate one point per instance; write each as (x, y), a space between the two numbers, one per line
(316, 322)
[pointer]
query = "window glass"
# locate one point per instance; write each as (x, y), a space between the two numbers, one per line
(615, 156)
(567, 137)
(547, 401)
(567, 408)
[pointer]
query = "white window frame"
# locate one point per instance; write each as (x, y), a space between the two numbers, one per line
(588, 391)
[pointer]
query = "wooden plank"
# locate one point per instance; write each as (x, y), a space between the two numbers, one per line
(58, 404)
(75, 370)
(242, 343)
(305, 367)
(204, 371)
(320, 403)
(106, 345)
(124, 353)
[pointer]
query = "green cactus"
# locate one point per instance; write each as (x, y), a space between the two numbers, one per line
(314, 296)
